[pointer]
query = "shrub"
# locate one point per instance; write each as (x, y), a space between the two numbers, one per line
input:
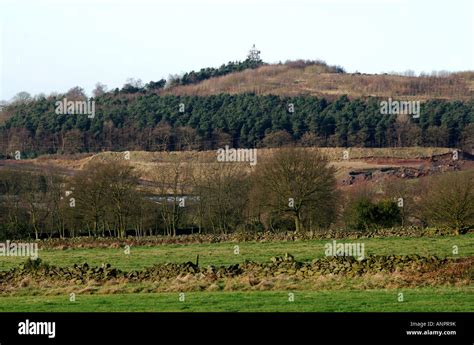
(368, 215)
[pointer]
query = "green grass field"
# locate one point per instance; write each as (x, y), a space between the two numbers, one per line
(424, 299)
(342, 296)
(223, 253)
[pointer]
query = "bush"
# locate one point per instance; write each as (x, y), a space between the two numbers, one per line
(368, 215)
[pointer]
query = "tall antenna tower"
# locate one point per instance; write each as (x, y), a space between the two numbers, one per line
(254, 54)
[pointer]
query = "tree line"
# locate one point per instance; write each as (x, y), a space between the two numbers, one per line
(195, 77)
(148, 121)
(294, 190)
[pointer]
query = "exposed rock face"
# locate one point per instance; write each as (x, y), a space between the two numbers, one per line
(453, 161)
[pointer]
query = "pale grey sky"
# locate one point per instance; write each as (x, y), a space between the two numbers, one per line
(53, 45)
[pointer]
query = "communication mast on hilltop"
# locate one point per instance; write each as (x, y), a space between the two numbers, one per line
(254, 54)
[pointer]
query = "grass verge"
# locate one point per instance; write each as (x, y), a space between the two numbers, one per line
(446, 299)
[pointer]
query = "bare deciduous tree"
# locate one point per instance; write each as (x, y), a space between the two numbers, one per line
(297, 183)
(449, 201)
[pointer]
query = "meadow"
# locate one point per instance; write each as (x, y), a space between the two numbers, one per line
(448, 299)
(331, 293)
(227, 253)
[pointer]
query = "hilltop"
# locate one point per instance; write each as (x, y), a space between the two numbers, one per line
(317, 79)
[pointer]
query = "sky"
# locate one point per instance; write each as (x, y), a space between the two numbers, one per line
(53, 45)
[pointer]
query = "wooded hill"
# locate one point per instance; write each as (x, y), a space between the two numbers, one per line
(249, 105)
